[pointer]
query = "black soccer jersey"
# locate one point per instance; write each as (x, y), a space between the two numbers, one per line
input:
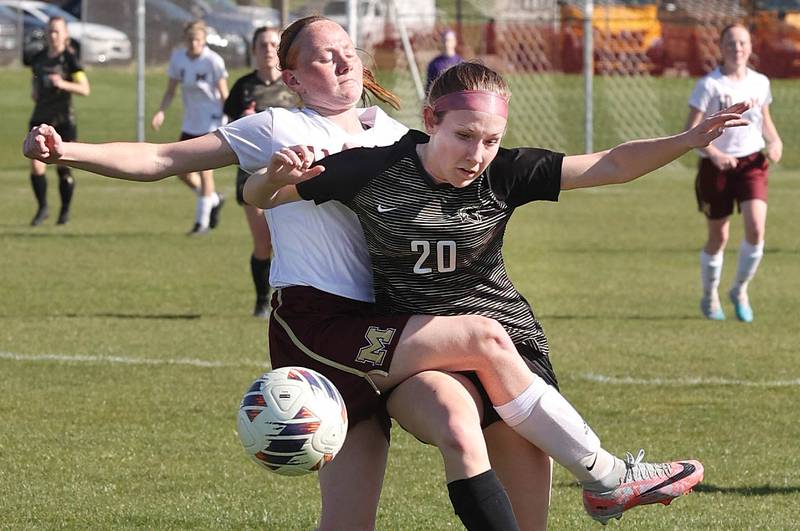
(251, 88)
(437, 249)
(53, 105)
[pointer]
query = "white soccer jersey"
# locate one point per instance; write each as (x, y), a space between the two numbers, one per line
(199, 79)
(318, 246)
(715, 92)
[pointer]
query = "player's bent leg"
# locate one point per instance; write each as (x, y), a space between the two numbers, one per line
(351, 484)
(439, 408)
(442, 408)
(460, 343)
(526, 473)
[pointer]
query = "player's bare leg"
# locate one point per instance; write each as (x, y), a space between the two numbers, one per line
(351, 484)
(444, 409)
(526, 473)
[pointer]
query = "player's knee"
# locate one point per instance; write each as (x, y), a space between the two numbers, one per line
(461, 436)
(489, 341)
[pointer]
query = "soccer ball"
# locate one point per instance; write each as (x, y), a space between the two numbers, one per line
(292, 421)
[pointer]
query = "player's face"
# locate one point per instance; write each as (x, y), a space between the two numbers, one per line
(195, 42)
(736, 47)
(57, 35)
(266, 50)
(328, 73)
(462, 145)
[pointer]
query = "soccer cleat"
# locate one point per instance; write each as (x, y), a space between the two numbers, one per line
(41, 214)
(197, 230)
(742, 307)
(711, 309)
(63, 217)
(213, 217)
(643, 484)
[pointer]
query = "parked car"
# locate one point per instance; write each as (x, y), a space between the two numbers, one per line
(230, 19)
(8, 36)
(164, 22)
(94, 43)
(376, 23)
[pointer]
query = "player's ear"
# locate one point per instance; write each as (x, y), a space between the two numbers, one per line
(289, 80)
(428, 118)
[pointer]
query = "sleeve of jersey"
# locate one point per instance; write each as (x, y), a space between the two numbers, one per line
(345, 174)
(233, 105)
(74, 66)
(701, 95)
(250, 138)
(523, 175)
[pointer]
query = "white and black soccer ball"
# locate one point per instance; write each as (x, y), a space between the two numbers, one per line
(292, 421)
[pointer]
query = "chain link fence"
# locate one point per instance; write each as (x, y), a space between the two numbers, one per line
(645, 56)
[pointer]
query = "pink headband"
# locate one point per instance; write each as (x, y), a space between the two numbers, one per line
(472, 100)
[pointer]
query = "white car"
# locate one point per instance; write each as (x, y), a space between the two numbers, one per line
(95, 43)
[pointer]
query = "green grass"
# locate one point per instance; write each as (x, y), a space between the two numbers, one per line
(92, 440)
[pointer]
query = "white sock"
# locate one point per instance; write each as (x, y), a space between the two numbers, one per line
(216, 200)
(542, 416)
(710, 272)
(203, 210)
(749, 257)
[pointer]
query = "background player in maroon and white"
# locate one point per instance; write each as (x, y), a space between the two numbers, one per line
(201, 74)
(734, 170)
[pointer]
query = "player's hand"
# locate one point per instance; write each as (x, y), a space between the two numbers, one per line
(43, 143)
(55, 80)
(291, 165)
(713, 126)
(775, 151)
(158, 120)
(724, 162)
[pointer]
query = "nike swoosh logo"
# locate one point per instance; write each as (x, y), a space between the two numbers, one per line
(382, 210)
(589, 468)
(688, 470)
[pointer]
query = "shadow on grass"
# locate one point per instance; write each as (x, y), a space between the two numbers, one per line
(762, 490)
(58, 233)
(568, 317)
(186, 316)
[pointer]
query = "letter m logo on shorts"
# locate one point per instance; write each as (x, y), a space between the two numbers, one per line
(375, 350)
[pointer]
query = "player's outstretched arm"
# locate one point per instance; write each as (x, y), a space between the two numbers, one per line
(633, 159)
(275, 185)
(133, 161)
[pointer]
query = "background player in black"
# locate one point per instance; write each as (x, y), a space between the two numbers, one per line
(258, 90)
(434, 210)
(57, 75)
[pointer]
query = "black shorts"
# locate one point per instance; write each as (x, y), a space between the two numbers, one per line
(344, 339)
(241, 178)
(67, 129)
(536, 361)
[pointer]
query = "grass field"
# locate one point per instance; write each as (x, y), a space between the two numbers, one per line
(125, 347)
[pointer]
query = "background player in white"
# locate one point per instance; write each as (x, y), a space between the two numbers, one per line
(57, 75)
(435, 238)
(201, 74)
(733, 169)
(252, 93)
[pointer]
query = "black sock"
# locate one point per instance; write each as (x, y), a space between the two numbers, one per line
(66, 186)
(39, 184)
(482, 504)
(260, 271)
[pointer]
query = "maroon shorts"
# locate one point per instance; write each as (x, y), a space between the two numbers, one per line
(344, 339)
(717, 190)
